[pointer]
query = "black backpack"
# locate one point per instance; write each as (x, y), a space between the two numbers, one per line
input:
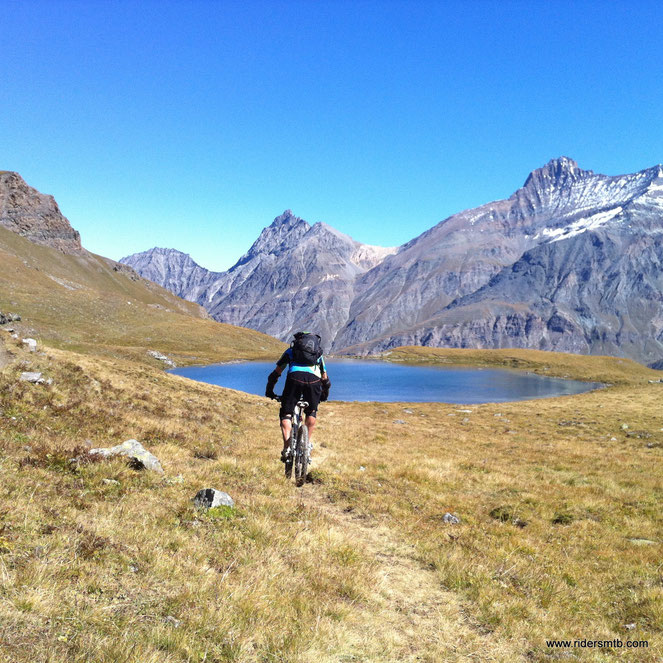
(306, 348)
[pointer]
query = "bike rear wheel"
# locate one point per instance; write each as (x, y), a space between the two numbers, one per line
(301, 456)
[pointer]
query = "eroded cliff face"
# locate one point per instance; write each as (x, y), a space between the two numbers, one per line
(571, 261)
(35, 215)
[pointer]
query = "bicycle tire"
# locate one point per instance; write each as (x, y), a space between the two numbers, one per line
(301, 456)
(291, 449)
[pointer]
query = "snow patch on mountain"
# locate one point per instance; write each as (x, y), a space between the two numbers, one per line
(580, 226)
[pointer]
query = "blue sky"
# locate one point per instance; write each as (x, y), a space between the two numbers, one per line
(193, 124)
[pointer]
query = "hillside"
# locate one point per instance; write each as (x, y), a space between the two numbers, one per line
(71, 298)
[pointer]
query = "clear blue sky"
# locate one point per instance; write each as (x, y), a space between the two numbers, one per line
(193, 124)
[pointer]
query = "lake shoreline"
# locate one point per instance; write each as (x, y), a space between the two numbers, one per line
(376, 380)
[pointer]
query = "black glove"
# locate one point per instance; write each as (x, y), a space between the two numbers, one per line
(272, 379)
(326, 384)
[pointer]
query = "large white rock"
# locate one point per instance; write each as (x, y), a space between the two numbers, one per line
(136, 451)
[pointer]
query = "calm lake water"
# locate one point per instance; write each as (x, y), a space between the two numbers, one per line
(355, 380)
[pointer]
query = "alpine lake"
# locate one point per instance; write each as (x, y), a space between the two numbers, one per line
(383, 381)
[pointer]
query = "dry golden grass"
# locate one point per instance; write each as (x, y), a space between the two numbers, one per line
(357, 565)
(81, 303)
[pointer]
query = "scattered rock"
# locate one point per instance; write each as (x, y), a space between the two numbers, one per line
(141, 458)
(450, 519)
(9, 317)
(643, 542)
(465, 411)
(33, 377)
(570, 422)
(407, 410)
(624, 426)
(161, 357)
(111, 482)
(175, 623)
(31, 343)
(640, 434)
(466, 420)
(497, 414)
(398, 421)
(362, 468)
(629, 627)
(15, 336)
(613, 439)
(208, 498)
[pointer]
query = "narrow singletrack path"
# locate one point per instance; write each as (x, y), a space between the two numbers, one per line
(409, 616)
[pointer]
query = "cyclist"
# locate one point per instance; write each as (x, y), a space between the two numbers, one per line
(307, 380)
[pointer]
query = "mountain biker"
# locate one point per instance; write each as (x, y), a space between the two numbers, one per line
(306, 380)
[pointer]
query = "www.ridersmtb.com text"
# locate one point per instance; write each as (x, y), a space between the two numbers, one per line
(596, 644)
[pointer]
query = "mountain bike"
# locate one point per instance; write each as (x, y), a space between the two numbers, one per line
(298, 453)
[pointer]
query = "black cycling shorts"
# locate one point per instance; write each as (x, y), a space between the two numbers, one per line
(304, 386)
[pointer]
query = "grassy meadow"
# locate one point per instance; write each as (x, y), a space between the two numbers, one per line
(89, 304)
(559, 502)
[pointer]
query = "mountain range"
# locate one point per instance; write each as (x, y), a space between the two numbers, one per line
(570, 262)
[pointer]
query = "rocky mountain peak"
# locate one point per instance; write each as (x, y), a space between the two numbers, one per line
(283, 233)
(556, 173)
(34, 215)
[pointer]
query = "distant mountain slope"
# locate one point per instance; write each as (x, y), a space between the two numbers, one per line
(173, 270)
(72, 298)
(294, 276)
(570, 261)
(409, 297)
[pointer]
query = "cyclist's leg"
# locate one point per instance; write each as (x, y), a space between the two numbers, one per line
(286, 429)
(312, 394)
(310, 424)
(288, 402)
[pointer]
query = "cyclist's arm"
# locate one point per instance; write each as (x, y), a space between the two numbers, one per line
(283, 361)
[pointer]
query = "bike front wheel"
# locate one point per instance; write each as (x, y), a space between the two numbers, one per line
(301, 456)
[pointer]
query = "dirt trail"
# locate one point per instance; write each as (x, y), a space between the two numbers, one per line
(410, 616)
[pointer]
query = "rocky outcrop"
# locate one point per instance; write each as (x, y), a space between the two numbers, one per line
(34, 215)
